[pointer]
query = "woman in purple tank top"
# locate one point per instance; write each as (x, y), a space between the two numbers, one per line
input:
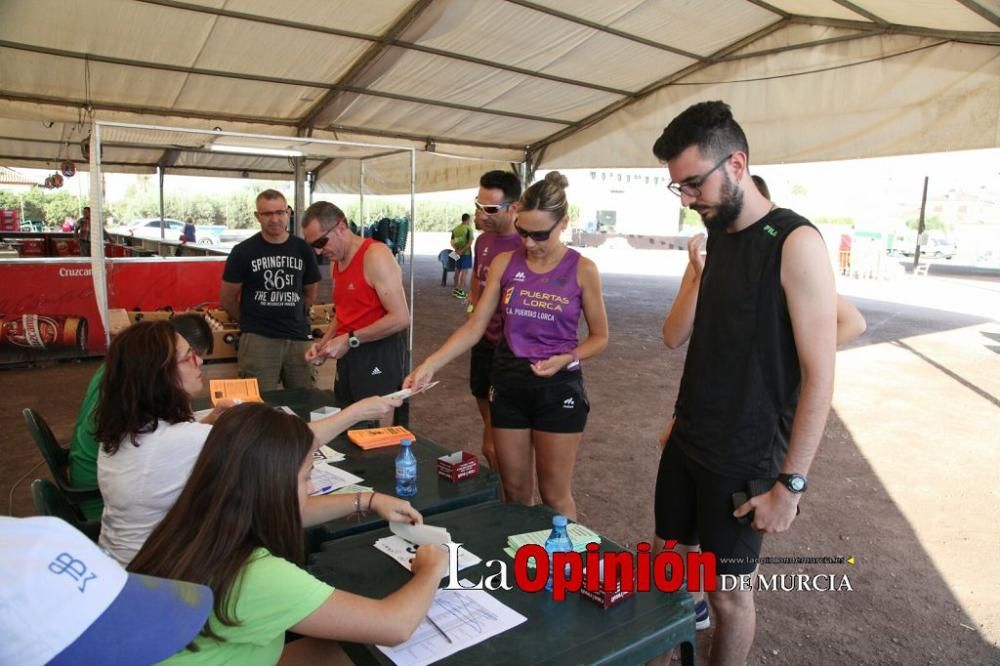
(538, 405)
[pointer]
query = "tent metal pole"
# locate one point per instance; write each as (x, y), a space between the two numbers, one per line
(412, 238)
(160, 174)
(98, 270)
(361, 207)
(300, 196)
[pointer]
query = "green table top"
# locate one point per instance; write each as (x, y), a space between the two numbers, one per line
(573, 631)
(378, 469)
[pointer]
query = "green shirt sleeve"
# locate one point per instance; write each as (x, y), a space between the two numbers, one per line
(271, 596)
(83, 447)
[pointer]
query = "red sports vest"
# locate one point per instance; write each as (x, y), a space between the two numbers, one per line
(357, 303)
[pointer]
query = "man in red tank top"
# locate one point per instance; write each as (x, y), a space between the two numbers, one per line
(371, 313)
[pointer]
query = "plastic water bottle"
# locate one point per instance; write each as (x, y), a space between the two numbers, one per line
(406, 470)
(558, 542)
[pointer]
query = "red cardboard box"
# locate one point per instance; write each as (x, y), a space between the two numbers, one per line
(458, 466)
(63, 247)
(31, 247)
(602, 597)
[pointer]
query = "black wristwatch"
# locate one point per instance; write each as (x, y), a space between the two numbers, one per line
(352, 341)
(796, 483)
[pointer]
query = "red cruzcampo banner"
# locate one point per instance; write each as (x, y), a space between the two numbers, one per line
(48, 310)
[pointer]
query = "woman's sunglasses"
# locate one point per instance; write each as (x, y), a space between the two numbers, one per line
(491, 209)
(537, 236)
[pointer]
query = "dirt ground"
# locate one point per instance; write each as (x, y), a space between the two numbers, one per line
(905, 479)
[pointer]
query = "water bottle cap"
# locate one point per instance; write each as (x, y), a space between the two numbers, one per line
(559, 521)
(406, 442)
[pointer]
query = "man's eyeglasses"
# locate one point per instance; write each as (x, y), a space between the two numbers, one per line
(692, 186)
(537, 236)
(491, 209)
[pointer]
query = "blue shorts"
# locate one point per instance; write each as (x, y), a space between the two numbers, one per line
(465, 262)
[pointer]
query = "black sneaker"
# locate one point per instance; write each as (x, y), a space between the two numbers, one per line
(702, 620)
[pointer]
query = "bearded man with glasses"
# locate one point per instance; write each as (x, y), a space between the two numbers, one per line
(268, 286)
(366, 336)
(760, 310)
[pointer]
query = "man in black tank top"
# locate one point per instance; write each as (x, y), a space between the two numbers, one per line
(760, 311)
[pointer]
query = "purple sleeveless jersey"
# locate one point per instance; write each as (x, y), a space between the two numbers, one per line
(488, 246)
(541, 311)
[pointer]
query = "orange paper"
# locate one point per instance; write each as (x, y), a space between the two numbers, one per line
(375, 438)
(245, 390)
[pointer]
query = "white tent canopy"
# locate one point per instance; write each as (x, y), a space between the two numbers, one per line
(561, 83)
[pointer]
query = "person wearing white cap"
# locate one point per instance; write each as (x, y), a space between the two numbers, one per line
(63, 601)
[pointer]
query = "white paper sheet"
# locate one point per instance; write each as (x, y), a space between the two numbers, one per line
(466, 616)
(421, 534)
(402, 551)
(327, 478)
(325, 454)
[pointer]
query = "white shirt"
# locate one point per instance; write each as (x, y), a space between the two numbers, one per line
(140, 484)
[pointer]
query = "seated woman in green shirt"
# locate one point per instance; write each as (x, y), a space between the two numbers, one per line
(83, 446)
(237, 528)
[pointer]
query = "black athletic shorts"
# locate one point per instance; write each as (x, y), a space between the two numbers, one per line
(558, 406)
(374, 368)
(480, 364)
(694, 505)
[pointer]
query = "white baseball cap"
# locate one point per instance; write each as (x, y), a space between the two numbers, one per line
(63, 601)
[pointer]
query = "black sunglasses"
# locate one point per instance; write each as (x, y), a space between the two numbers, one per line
(537, 236)
(321, 242)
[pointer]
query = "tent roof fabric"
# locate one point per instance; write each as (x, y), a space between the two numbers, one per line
(563, 83)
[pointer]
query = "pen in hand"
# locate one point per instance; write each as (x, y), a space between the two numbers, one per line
(320, 491)
(435, 625)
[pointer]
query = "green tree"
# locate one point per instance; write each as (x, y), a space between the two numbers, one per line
(932, 223)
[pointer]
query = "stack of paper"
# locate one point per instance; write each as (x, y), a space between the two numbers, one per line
(374, 438)
(578, 534)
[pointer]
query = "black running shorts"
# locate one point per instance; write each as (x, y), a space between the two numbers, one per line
(558, 406)
(480, 364)
(694, 505)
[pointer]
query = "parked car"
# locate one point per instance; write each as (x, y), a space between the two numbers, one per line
(233, 236)
(173, 229)
(936, 248)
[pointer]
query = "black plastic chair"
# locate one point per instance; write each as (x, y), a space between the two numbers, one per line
(57, 458)
(50, 501)
(447, 265)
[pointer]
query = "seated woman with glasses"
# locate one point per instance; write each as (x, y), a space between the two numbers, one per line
(538, 405)
(149, 438)
(237, 528)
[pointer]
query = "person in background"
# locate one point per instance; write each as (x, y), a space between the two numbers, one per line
(268, 286)
(189, 231)
(237, 528)
(498, 193)
(538, 406)
(81, 232)
(66, 602)
(758, 376)
(367, 335)
(148, 434)
(461, 244)
(83, 446)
